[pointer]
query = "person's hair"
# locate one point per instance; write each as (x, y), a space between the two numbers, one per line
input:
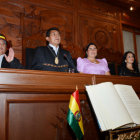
(88, 47)
(50, 29)
(4, 40)
(134, 65)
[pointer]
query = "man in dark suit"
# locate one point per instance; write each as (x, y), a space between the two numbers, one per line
(7, 59)
(52, 57)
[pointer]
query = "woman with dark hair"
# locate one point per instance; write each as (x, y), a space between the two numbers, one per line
(129, 66)
(90, 64)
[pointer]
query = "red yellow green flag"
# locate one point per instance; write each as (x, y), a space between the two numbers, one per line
(74, 116)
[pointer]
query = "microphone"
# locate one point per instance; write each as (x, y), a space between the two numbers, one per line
(70, 63)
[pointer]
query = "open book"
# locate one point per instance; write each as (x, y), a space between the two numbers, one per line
(115, 106)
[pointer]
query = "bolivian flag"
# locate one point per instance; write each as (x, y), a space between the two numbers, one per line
(74, 116)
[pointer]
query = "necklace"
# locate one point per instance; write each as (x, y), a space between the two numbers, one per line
(56, 61)
(93, 61)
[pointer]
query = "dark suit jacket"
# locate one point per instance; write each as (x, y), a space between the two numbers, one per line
(44, 59)
(14, 64)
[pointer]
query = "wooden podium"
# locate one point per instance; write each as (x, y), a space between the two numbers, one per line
(34, 104)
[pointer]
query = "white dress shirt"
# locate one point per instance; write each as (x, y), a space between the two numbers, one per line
(1, 58)
(54, 48)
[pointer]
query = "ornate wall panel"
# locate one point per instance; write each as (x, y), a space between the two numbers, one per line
(10, 26)
(100, 8)
(104, 33)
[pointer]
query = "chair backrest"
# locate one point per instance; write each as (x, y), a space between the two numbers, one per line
(118, 68)
(112, 68)
(29, 57)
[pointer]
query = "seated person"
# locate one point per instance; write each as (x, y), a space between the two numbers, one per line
(7, 61)
(128, 66)
(52, 57)
(90, 64)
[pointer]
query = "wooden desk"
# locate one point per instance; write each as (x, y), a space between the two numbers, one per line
(34, 104)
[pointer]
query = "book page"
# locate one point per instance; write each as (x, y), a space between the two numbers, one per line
(108, 107)
(130, 100)
(96, 111)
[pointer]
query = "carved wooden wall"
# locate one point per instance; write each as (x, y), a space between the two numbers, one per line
(25, 22)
